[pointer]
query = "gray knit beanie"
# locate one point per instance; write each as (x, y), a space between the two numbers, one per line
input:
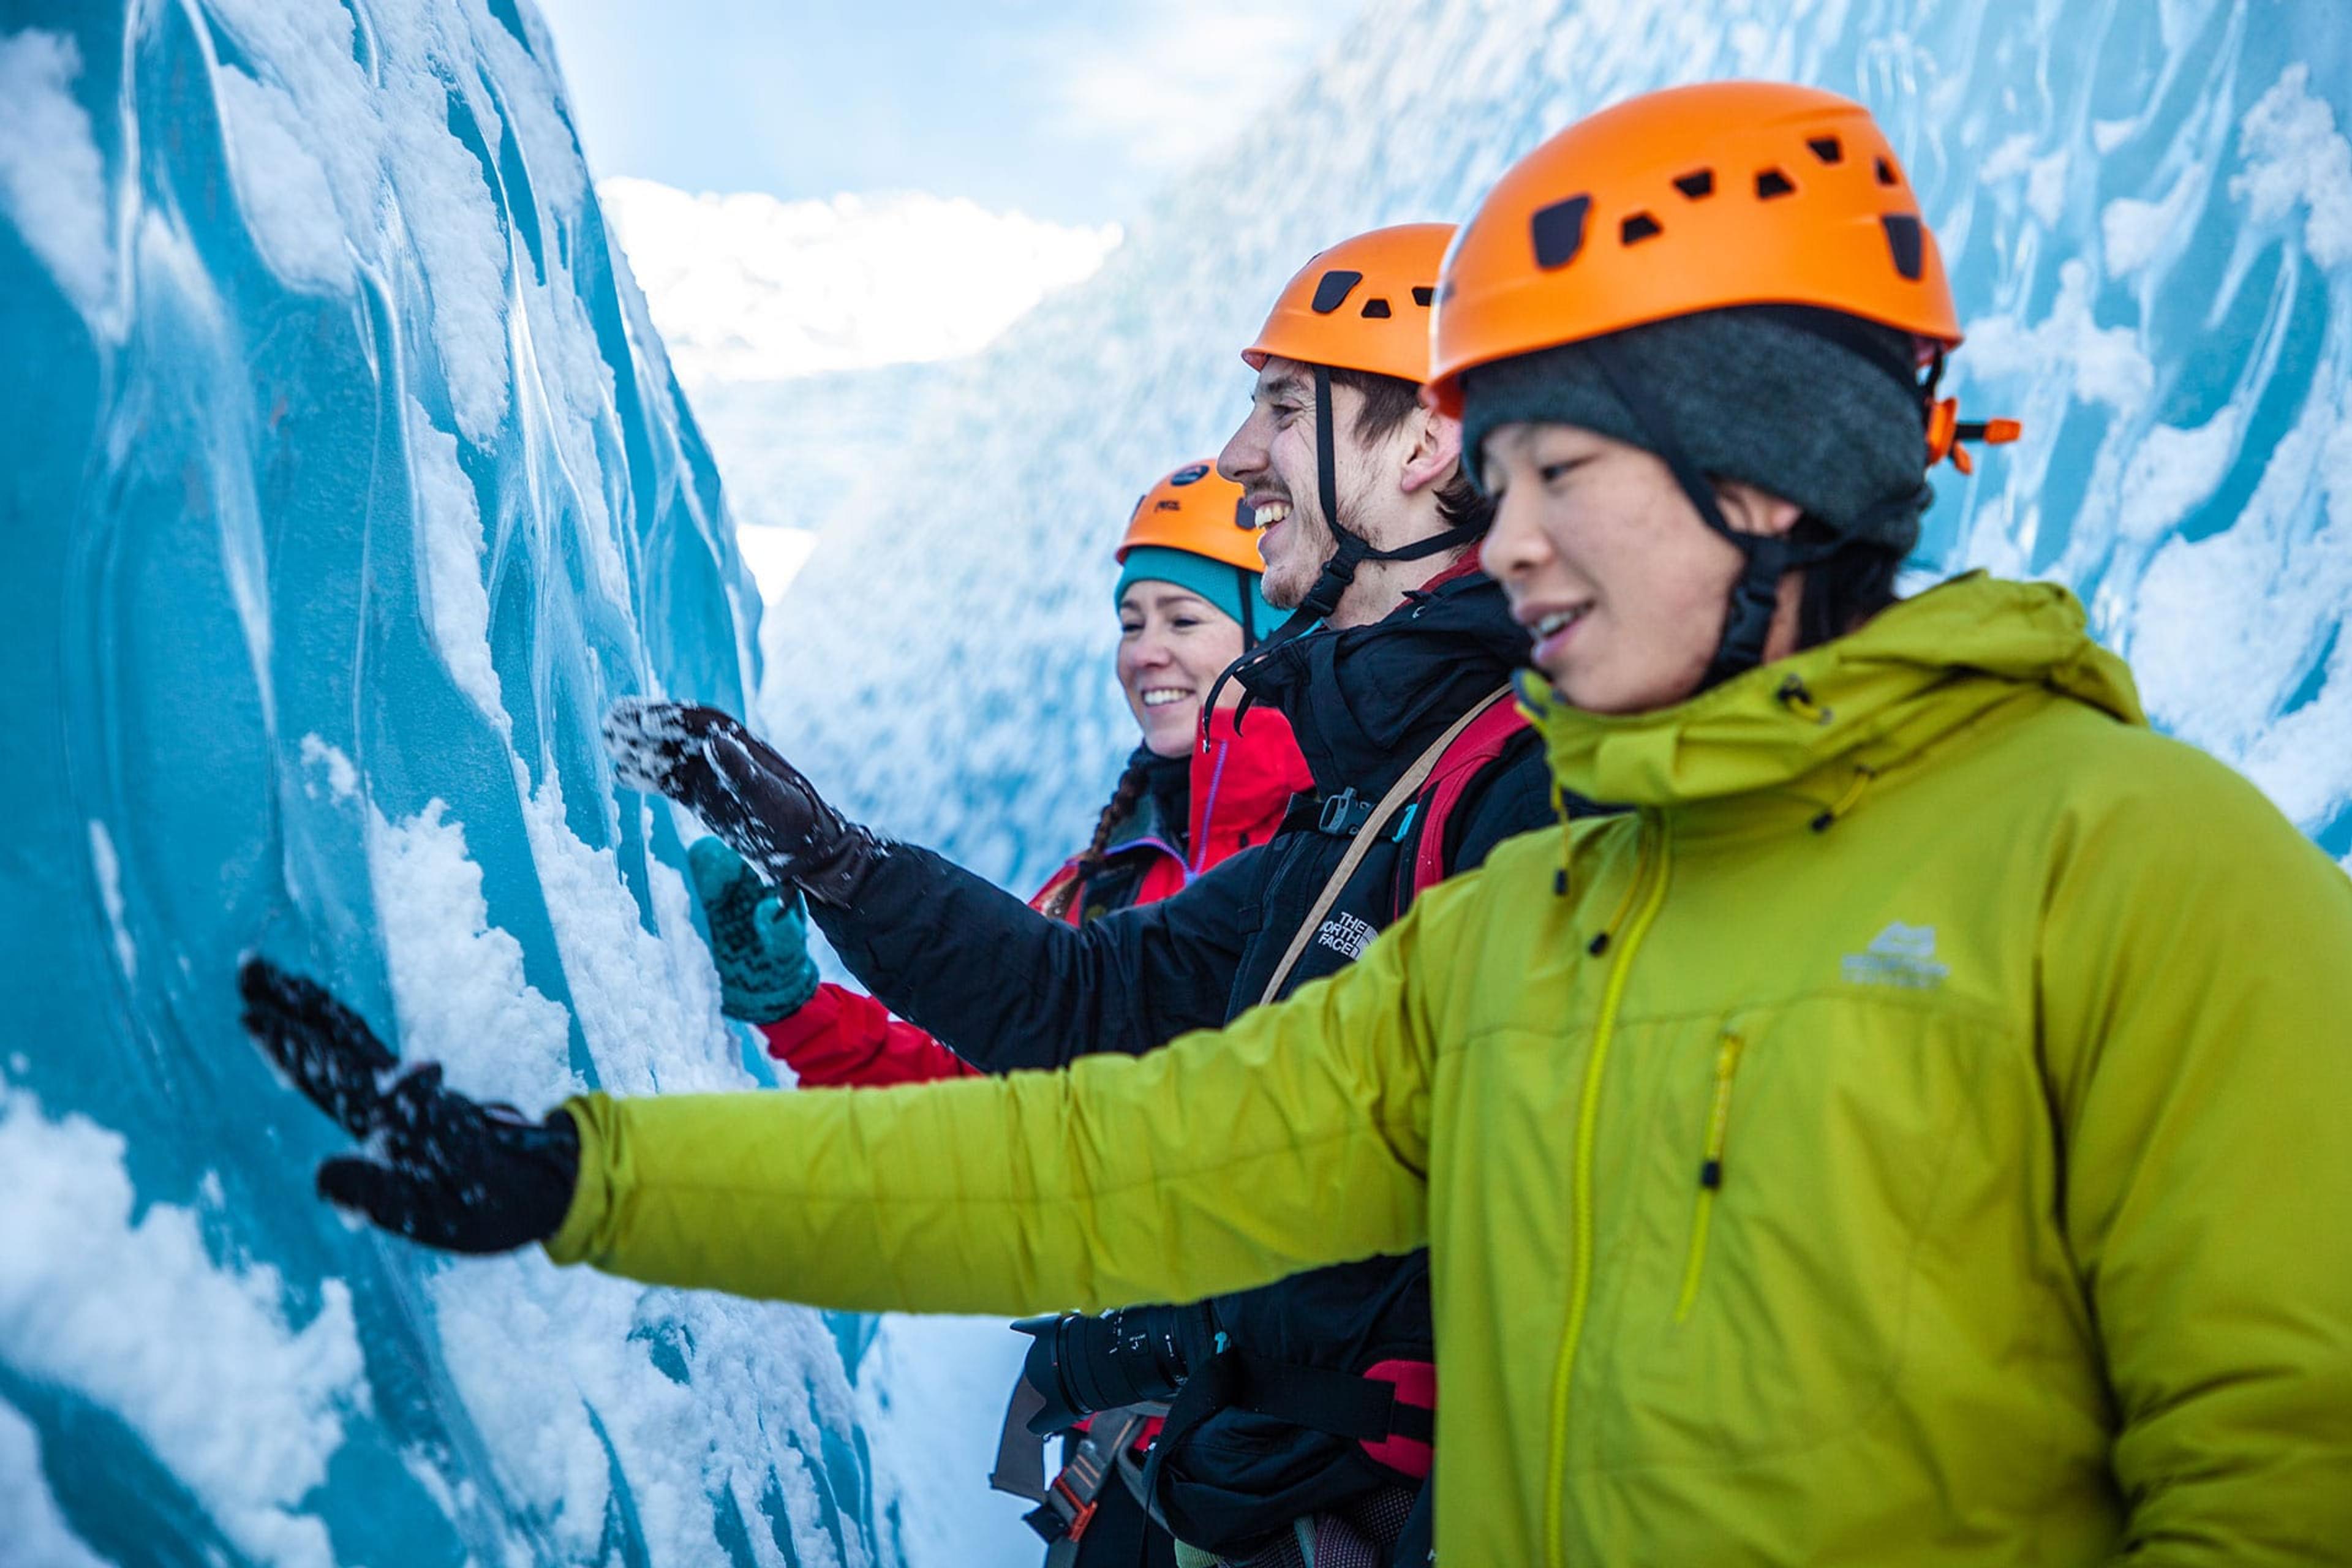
(1815, 409)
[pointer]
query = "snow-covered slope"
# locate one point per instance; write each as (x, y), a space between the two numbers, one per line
(346, 483)
(2147, 205)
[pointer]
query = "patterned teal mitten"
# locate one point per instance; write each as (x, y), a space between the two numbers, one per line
(759, 942)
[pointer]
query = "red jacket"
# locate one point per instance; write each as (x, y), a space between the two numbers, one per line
(1240, 781)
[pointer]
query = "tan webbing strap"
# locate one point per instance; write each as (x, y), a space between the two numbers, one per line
(1404, 790)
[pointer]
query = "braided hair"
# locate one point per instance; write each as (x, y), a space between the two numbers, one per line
(1121, 805)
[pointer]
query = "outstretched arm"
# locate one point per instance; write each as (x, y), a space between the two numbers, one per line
(1002, 986)
(1006, 987)
(1297, 1137)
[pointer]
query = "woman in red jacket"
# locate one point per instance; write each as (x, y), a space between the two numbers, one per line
(1197, 789)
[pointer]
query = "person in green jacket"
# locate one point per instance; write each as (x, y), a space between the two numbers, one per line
(1914, 1132)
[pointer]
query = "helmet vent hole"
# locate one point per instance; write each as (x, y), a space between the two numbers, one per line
(1771, 183)
(1376, 309)
(1637, 228)
(1333, 290)
(1887, 176)
(1699, 183)
(1903, 239)
(1828, 149)
(1558, 231)
(1422, 294)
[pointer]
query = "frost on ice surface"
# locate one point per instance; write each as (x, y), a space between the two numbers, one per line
(2173, 471)
(37, 1533)
(341, 777)
(648, 1007)
(2294, 157)
(129, 1312)
(52, 183)
(282, 185)
(457, 985)
(109, 869)
(456, 603)
(340, 541)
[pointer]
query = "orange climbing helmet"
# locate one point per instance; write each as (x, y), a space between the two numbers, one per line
(1200, 511)
(1694, 198)
(1363, 304)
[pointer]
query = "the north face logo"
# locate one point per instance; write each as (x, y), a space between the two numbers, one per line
(1347, 934)
(1900, 955)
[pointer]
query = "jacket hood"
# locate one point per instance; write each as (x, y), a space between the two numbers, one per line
(1242, 778)
(1364, 701)
(1823, 723)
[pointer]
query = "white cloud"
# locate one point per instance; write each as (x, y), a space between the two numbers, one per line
(1185, 78)
(749, 288)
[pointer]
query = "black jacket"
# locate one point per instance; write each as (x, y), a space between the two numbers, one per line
(1007, 989)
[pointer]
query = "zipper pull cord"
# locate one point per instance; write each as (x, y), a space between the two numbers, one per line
(1864, 777)
(1601, 940)
(1710, 1168)
(1560, 879)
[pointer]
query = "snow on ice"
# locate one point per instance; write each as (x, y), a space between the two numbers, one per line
(353, 486)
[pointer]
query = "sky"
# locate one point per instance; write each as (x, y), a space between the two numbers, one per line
(1071, 111)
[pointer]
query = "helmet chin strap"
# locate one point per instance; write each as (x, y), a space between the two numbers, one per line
(1765, 558)
(1350, 551)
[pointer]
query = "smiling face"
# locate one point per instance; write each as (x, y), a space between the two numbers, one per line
(1272, 457)
(1173, 645)
(1623, 587)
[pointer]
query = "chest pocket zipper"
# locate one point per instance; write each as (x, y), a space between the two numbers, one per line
(1710, 1170)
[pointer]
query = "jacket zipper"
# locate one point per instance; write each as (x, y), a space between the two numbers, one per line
(1588, 1117)
(1710, 1166)
(1206, 815)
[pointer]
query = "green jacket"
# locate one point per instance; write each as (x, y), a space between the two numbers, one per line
(1920, 1133)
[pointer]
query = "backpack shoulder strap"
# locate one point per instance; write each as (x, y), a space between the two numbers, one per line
(1404, 790)
(1497, 724)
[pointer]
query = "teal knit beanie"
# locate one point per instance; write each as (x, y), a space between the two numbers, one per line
(1224, 585)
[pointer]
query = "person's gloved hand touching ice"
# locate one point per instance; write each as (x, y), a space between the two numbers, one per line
(745, 793)
(759, 937)
(437, 1168)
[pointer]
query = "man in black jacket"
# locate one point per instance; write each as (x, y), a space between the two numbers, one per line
(1393, 672)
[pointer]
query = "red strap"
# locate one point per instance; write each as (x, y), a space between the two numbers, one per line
(1472, 750)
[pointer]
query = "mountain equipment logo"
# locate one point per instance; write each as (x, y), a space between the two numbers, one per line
(1346, 933)
(1900, 955)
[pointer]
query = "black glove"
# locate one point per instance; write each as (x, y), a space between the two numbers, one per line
(441, 1170)
(743, 791)
(1082, 1365)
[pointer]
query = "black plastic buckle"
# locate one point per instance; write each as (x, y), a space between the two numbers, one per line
(1048, 1522)
(1344, 814)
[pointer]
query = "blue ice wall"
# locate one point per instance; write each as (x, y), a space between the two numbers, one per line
(346, 483)
(2146, 205)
